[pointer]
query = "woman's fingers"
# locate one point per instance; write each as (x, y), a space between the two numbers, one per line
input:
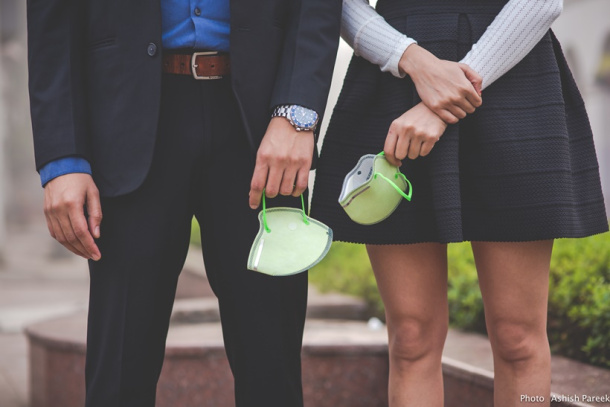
(426, 148)
(413, 134)
(389, 148)
(447, 116)
(449, 89)
(477, 82)
(460, 112)
(414, 149)
(403, 144)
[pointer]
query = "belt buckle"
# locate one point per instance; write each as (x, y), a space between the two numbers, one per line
(194, 65)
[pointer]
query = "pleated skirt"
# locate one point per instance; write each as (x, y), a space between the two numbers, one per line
(523, 167)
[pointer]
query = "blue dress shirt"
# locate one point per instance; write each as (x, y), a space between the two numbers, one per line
(196, 24)
(63, 166)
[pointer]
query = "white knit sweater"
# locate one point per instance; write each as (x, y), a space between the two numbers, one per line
(508, 39)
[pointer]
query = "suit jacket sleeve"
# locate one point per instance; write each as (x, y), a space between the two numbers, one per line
(309, 54)
(56, 69)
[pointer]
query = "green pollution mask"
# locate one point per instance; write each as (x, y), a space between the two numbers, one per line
(288, 241)
(373, 189)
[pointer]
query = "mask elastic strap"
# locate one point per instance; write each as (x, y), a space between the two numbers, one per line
(265, 214)
(305, 220)
(400, 191)
(396, 187)
(303, 206)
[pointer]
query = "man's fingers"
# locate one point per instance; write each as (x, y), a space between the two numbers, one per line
(64, 203)
(50, 226)
(302, 180)
(274, 180)
(61, 238)
(70, 235)
(94, 212)
(288, 181)
(81, 232)
(259, 179)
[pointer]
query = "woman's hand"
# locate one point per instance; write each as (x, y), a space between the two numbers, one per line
(450, 89)
(413, 134)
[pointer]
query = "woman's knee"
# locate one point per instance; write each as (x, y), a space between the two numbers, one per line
(412, 340)
(515, 342)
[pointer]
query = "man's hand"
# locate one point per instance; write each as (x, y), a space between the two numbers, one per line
(450, 89)
(65, 198)
(283, 162)
(413, 134)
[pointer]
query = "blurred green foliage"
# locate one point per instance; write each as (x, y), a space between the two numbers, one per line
(579, 299)
(347, 269)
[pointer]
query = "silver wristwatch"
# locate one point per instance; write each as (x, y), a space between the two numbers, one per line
(302, 118)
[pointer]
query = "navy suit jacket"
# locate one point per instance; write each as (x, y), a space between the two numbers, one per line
(95, 75)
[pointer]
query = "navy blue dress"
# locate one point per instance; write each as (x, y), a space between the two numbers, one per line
(522, 167)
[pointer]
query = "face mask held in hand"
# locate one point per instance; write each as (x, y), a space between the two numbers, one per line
(373, 189)
(288, 241)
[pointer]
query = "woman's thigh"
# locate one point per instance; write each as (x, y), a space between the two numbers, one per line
(514, 281)
(412, 280)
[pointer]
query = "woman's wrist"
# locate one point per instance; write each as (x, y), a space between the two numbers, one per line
(409, 60)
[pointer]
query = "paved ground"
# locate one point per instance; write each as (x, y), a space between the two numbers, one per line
(37, 281)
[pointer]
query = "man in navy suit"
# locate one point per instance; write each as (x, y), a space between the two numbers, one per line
(150, 112)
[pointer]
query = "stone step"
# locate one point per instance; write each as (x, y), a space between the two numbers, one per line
(319, 306)
(345, 363)
(335, 306)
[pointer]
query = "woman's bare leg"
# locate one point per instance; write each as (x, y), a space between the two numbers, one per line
(514, 280)
(412, 280)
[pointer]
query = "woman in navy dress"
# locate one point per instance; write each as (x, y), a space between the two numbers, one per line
(500, 153)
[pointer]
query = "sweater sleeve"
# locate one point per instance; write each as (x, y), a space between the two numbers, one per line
(372, 37)
(509, 38)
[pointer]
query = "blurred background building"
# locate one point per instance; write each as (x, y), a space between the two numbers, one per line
(584, 30)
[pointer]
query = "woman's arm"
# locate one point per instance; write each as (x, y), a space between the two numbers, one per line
(372, 37)
(449, 89)
(508, 39)
(511, 36)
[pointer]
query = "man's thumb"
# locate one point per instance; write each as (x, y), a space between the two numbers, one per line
(94, 210)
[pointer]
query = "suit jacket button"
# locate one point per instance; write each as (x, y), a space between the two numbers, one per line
(152, 49)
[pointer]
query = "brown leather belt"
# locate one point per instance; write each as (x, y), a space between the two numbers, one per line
(201, 65)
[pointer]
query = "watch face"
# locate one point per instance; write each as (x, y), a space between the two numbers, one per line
(303, 117)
